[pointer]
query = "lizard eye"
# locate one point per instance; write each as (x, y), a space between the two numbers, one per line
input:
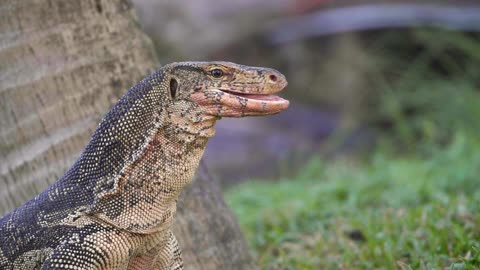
(217, 73)
(173, 88)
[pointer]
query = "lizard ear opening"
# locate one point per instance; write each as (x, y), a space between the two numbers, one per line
(173, 87)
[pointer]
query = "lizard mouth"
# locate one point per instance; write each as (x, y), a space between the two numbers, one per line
(242, 104)
(262, 97)
(227, 103)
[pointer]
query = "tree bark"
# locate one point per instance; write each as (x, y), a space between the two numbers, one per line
(63, 63)
(207, 230)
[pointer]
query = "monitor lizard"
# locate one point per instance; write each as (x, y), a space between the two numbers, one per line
(114, 208)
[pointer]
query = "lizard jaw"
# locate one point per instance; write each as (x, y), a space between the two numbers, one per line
(224, 103)
(255, 104)
(264, 97)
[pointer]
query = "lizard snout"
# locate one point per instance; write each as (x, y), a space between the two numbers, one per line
(274, 82)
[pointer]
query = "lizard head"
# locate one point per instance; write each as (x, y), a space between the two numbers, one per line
(224, 89)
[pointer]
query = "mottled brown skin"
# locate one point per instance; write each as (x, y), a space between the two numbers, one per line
(114, 208)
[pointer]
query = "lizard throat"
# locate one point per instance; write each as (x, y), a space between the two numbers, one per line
(149, 186)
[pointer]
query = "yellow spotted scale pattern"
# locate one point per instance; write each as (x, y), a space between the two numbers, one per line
(114, 208)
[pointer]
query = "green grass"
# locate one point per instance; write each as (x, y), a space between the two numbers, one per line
(387, 213)
(426, 87)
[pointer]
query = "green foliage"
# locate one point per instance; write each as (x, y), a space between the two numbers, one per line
(427, 87)
(388, 213)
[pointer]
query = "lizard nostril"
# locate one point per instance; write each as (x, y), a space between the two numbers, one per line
(273, 78)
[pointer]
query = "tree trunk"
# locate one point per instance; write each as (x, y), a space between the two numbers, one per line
(207, 229)
(63, 63)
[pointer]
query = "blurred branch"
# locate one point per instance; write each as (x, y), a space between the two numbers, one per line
(378, 16)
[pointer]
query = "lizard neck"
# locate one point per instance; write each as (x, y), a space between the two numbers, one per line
(141, 155)
(147, 189)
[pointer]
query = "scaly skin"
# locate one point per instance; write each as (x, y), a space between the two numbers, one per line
(114, 208)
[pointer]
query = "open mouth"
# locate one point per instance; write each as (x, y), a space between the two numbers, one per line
(237, 104)
(260, 97)
(225, 103)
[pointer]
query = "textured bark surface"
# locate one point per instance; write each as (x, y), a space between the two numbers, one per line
(207, 231)
(63, 63)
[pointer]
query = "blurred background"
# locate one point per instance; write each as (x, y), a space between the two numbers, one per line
(359, 72)
(375, 165)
